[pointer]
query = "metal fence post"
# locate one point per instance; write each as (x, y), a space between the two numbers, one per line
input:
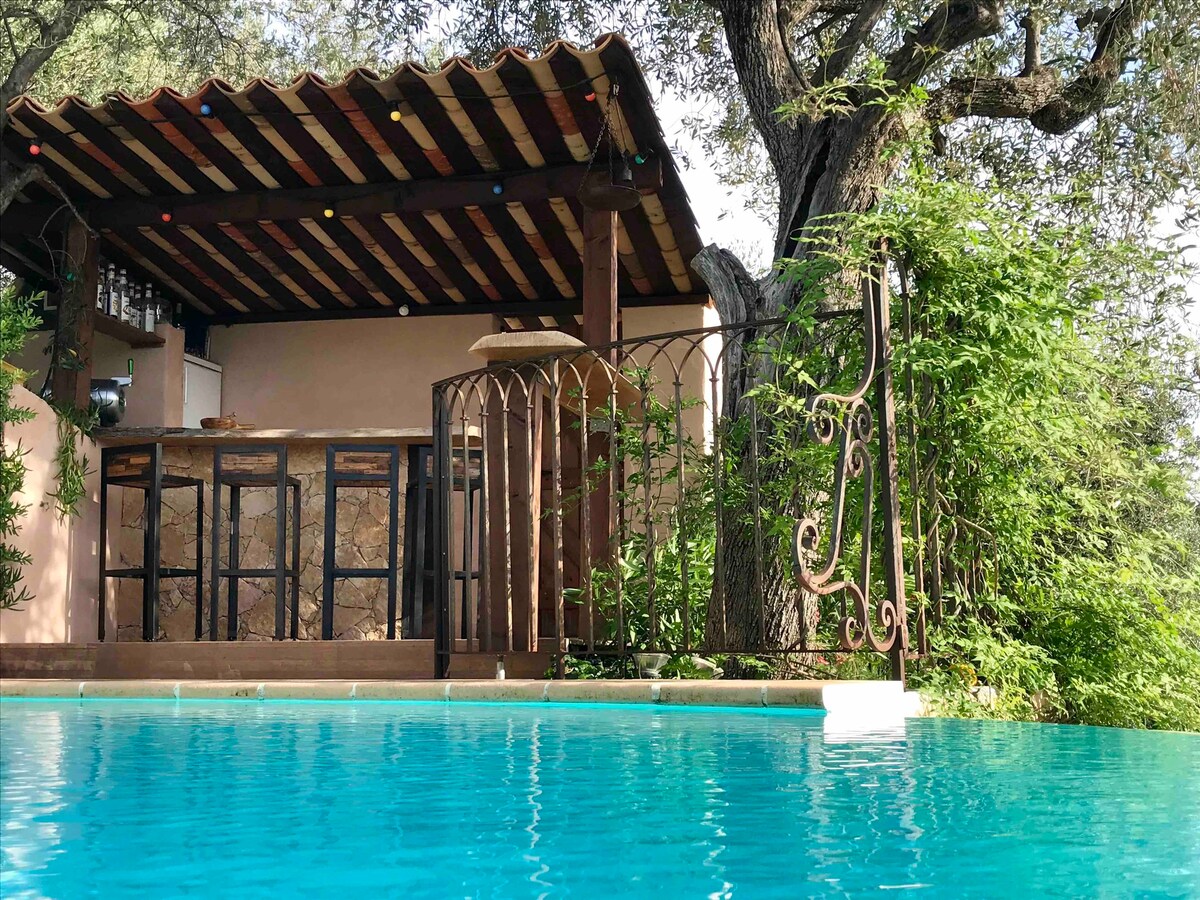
(442, 473)
(889, 483)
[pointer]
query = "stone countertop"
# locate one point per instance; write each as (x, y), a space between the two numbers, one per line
(176, 437)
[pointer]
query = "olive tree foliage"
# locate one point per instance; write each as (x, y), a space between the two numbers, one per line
(90, 48)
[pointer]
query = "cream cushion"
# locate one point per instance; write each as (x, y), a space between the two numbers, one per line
(515, 345)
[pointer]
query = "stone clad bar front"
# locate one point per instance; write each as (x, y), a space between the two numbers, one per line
(360, 610)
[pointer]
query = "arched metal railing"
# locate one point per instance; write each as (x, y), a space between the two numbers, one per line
(714, 491)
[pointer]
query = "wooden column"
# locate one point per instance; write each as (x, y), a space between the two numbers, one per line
(514, 487)
(72, 381)
(599, 276)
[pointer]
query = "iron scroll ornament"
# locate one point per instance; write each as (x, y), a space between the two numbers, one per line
(848, 419)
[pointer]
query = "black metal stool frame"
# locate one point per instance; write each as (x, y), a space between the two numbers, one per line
(418, 563)
(335, 479)
(151, 482)
(236, 480)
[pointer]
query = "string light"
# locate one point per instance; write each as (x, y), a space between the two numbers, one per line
(395, 114)
(328, 212)
(640, 158)
(403, 310)
(166, 216)
(498, 188)
(35, 148)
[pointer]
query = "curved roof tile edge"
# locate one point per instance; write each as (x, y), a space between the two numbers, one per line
(601, 43)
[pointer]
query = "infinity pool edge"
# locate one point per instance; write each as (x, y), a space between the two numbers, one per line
(866, 697)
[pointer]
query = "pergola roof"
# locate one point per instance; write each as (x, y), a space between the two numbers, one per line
(416, 218)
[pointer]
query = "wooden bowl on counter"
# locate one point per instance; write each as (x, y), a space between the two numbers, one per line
(219, 423)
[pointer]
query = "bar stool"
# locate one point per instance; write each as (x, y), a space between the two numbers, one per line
(140, 467)
(419, 552)
(249, 467)
(359, 466)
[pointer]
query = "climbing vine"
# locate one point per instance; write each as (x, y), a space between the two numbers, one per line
(16, 321)
(71, 466)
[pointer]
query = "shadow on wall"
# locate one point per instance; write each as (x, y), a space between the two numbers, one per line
(64, 575)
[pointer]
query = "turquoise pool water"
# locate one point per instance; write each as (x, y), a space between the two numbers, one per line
(357, 801)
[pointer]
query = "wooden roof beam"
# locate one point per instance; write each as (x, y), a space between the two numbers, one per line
(504, 308)
(352, 200)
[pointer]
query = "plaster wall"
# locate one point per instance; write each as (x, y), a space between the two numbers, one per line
(64, 574)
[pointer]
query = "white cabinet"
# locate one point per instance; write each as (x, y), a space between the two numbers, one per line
(201, 390)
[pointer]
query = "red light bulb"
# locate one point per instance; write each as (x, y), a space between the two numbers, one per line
(166, 217)
(35, 148)
(590, 97)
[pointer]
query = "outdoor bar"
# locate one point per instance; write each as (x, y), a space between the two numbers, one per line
(319, 255)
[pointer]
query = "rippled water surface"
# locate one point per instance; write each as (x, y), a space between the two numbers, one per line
(276, 799)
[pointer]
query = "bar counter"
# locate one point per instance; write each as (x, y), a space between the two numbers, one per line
(200, 437)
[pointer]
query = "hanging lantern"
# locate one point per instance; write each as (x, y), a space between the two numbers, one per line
(612, 189)
(609, 187)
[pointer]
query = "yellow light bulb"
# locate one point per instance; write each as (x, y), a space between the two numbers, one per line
(329, 213)
(395, 115)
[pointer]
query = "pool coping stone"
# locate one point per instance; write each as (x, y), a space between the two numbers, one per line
(842, 697)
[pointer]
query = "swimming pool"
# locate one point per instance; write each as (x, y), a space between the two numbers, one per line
(363, 800)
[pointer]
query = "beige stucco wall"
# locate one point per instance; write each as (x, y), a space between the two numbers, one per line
(362, 373)
(64, 574)
(367, 373)
(156, 397)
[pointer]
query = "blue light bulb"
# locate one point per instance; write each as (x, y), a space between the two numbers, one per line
(205, 110)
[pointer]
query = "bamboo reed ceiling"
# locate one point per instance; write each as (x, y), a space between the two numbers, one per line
(248, 184)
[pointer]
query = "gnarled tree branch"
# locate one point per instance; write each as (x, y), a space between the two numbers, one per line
(856, 33)
(51, 34)
(764, 65)
(952, 24)
(1040, 95)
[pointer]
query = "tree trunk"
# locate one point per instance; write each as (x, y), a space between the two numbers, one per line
(760, 605)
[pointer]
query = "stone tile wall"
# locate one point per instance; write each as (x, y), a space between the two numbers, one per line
(360, 610)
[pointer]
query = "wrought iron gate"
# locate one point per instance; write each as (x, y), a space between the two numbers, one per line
(673, 494)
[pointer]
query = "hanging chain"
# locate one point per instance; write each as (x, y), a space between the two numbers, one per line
(605, 129)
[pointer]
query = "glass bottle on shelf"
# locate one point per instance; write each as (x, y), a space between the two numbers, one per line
(123, 292)
(111, 303)
(135, 306)
(149, 308)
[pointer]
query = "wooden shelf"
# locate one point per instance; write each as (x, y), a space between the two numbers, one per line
(123, 331)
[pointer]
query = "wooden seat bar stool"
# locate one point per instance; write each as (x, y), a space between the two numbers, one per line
(360, 466)
(253, 466)
(140, 468)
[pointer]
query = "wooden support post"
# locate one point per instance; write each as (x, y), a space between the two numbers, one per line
(72, 380)
(514, 476)
(599, 327)
(599, 276)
